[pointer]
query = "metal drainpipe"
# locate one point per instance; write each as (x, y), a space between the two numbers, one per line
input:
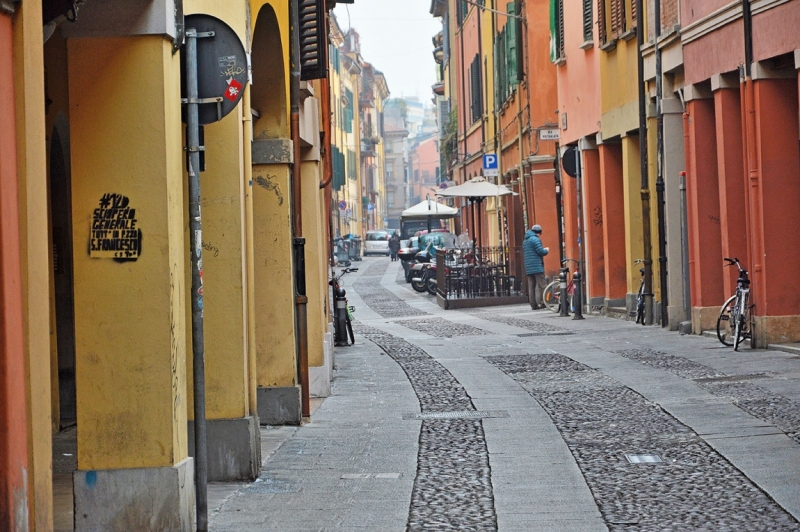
(247, 126)
(298, 242)
(559, 204)
(646, 231)
(526, 173)
(662, 230)
(753, 212)
(463, 102)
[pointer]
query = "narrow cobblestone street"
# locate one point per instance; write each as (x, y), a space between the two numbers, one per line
(510, 419)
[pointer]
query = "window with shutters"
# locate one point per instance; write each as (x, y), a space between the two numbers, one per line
(476, 89)
(513, 43)
(617, 18)
(507, 58)
(602, 30)
(352, 172)
(461, 11)
(347, 111)
(560, 29)
(338, 168)
(587, 20)
(313, 39)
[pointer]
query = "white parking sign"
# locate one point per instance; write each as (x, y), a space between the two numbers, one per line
(490, 165)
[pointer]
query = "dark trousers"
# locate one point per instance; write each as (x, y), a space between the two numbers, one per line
(537, 282)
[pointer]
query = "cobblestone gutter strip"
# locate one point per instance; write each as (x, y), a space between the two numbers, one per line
(602, 421)
(452, 489)
(779, 411)
(537, 326)
(378, 298)
(442, 328)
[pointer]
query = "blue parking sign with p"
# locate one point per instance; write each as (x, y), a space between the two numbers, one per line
(490, 164)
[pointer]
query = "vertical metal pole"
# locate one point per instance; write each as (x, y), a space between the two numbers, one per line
(645, 192)
(301, 300)
(685, 248)
(196, 244)
(559, 205)
(662, 236)
(579, 194)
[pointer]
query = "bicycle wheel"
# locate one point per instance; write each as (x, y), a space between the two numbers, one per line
(741, 323)
(350, 330)
(640, 304)
(552, 296)
(725, 322)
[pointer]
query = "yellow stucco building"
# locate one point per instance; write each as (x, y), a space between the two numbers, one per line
(100, 137)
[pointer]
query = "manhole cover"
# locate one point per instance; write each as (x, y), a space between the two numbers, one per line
(467, 414)
(643, 458)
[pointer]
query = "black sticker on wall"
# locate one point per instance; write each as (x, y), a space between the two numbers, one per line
(114, 233)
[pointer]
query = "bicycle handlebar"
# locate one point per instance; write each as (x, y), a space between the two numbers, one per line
(732, 261)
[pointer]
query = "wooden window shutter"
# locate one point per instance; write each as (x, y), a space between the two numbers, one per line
(602, 36)
(617, 18)
(561, 29)
(511, 45)
(634, 14)
(587, 20)
(313, 40)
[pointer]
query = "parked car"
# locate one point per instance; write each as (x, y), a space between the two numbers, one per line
(377, 243)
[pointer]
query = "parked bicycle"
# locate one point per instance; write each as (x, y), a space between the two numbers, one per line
(733, 323)
(552, 292)
(342, 312)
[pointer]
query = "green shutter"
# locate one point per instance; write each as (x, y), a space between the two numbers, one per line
(511, 46)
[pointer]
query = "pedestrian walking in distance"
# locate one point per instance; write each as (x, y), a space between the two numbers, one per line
(534, 254)
(394, 245)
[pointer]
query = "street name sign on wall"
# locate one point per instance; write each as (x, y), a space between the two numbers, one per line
(549, 134)
(490, 165)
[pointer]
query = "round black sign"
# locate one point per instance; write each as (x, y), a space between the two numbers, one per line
(221, 67)
(569, 161)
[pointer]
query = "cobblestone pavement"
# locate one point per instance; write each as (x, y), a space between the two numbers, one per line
(442, 328)
(531, 325)
(378, 298)
(508, 419)
(606, 424)
(781, 412)
(452, 489)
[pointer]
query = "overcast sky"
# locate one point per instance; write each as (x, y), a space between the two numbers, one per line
(396, 39)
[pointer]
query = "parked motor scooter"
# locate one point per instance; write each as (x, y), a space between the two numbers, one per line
(422, 261)
(431, 279)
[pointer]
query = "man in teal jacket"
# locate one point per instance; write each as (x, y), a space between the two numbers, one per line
(534, 252)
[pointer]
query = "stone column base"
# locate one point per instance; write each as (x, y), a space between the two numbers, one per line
(704, 319)
(280, 405)
(234, 448)
(775, 330)
(320, 377)
(152, 498)
(677, 315)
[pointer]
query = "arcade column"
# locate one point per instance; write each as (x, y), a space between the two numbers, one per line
(134, 472)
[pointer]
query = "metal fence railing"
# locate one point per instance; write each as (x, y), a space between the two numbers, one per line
(479, 273)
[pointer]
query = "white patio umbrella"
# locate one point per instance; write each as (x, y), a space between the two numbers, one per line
(429, 208)
(476, 190)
